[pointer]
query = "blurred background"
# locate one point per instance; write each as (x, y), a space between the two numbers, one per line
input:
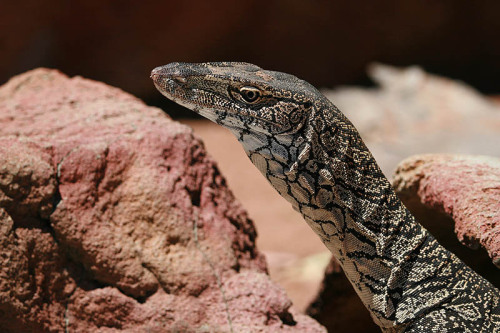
(327, 43)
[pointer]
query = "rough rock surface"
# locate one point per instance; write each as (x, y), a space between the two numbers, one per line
(113, 218)
(467, 188)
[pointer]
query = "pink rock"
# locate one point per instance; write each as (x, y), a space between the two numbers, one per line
(27, 181)
(114, 218)
(467, 188)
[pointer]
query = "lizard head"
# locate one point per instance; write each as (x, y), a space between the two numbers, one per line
(272, 114)
(239, 96)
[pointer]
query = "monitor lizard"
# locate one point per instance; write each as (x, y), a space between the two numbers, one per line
(315, 158)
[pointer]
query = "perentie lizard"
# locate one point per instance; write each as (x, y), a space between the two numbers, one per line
(314, 157)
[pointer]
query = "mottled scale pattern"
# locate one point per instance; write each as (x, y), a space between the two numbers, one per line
(315, 158)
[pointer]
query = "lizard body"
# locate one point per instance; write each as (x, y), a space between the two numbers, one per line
(314, 157)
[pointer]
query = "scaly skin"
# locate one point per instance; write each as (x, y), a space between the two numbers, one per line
(314, 157)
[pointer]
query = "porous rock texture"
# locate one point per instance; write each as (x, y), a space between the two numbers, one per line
(113, 218)
(466, 188)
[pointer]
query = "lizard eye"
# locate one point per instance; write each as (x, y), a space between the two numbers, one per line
(250, 94)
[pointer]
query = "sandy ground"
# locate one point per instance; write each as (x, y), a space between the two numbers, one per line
(295, 255)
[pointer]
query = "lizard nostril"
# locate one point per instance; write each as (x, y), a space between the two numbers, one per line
(156, 74)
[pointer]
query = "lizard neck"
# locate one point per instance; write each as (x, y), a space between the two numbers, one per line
(330, 177)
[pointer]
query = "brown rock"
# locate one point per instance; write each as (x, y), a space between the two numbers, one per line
(114, 218)
(34, 280)
(27, 181)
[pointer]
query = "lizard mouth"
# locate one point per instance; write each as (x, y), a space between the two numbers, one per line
(197, 104)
